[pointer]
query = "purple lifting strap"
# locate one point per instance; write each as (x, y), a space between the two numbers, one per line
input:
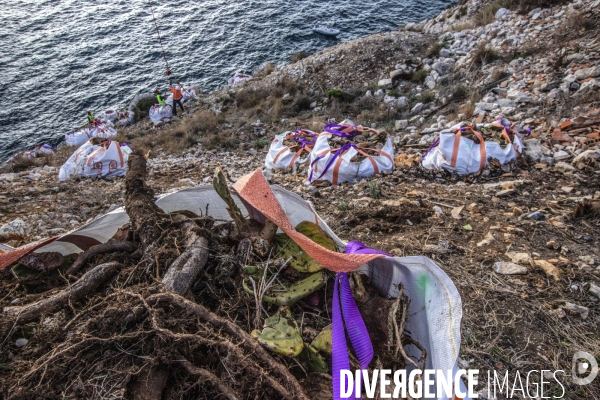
(337, 153)
(336, 128)
(345, 312)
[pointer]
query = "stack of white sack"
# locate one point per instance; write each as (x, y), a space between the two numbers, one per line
(96, 161)
(104, 130)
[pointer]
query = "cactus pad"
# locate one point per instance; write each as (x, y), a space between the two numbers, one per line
(323, 340)
(281, 334)
(295, 292)
(302, 262)
(314, 361)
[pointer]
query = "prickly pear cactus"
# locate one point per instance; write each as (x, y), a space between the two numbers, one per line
(302, 262)
(281, 334)
(295, 292)
(323, 340)
(313, 360)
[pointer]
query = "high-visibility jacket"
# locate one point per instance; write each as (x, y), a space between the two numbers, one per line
(161, 101)
(176, 92)
(90, 117)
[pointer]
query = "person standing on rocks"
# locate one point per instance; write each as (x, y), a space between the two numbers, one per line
(159, 98)
(177, 92)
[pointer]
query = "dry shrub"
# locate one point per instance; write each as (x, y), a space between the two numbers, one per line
(249, 97)
(483, 55)
(462, 26)
(299, 56)
(142, 107)
(201, 122)
(225, 140)
(266, 70)
(19, 164)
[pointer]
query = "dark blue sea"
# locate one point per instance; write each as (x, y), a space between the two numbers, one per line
(61, 57)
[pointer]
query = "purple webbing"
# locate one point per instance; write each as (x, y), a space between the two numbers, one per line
(346, 312)
(330, 163)
(336, 128)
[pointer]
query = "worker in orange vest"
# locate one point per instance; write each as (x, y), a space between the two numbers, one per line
(177, 96)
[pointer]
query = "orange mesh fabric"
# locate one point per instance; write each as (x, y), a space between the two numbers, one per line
(255, 189)
(10, 257)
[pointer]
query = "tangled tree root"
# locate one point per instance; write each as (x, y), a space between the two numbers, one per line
(127, 321)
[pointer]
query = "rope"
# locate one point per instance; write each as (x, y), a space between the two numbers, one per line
(159, 38)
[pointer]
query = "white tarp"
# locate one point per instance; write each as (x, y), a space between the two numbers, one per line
(435, 309)
(341, 169)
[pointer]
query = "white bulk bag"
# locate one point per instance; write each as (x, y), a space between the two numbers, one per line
(462, 155)
(158, 113)
(74, 165)
(104, 162)
(342, 170)
(78, 138)
(110, 115)
(102, 131)
(435, 309)
(126, 118)
(281, 156)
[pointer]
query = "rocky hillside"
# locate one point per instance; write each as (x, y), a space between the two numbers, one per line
(520, 241)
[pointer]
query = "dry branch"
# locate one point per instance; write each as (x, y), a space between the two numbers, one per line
(108, 247)
(87, 284)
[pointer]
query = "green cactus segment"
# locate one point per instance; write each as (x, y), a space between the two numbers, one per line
(302, 262)
(281, 334)
(323, 340)
(252, 269)
(313, 360)
(295, 292)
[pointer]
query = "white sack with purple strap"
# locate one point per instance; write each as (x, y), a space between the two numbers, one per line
(323, 166)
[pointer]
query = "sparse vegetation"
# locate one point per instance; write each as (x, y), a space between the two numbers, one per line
(250, 97)
(335, 93)
(427, 97)
(483, 55)
(419, 76)
(393, 93)
(299, 56)
(343, 205)
(374, 190)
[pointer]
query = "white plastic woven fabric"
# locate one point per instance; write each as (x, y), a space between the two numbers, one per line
(347, 171)
(435, 310)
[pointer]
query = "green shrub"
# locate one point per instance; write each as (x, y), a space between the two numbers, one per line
(335, 93)
(393, 93)
(374, 190)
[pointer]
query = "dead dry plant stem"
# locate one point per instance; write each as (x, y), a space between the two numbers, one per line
(399, 329)
(262, 288)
